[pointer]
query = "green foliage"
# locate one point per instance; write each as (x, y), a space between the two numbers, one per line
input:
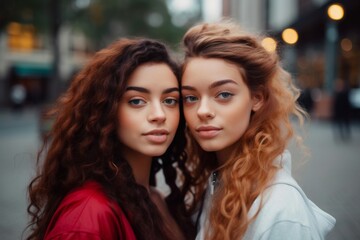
(102, 21)
(25, 12)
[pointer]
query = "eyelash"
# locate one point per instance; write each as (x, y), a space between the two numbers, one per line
(228, 95)
(136, 102)
(221, 96)
(174, 101)
(140, 102)
(187, 99)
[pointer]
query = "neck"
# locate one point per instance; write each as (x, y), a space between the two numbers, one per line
(140, 165)
(224, 155)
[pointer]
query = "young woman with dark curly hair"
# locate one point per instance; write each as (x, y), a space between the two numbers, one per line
(119, 122)
(238, 105)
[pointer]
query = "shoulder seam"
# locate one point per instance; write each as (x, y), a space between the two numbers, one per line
(284, 221)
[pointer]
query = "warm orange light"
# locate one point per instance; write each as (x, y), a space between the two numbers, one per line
(290, 36)
(269, 44)
(335, 11)
(21, 36)
(14, 28)
(346, 44)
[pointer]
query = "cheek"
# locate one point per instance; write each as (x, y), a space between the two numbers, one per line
(242, 116)
(125, 119)
(190, 116)
(126, 124)
(174, 118)
(236, 116)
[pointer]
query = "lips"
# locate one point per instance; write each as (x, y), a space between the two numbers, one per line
(208, 132)
(157, 136)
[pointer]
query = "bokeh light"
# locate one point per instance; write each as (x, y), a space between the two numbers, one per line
(290, 36)
(346, 44)
(335, 11)
(269, 44)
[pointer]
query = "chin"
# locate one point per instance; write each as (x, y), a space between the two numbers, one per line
(209, 147)
(156, 152)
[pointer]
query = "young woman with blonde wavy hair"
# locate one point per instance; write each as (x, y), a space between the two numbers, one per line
(119, 122)
(238, 105)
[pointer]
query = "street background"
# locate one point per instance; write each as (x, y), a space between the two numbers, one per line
(44, 43)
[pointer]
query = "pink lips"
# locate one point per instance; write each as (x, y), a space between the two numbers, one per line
(157, 136)
(208, 131)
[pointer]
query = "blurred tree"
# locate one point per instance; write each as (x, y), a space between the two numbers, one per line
(102, 21)
(55, 24)
(26, 12)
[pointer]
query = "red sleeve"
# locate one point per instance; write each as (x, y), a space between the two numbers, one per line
(88, 214)
(74, 236)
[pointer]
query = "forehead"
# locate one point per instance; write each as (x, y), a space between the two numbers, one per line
(208, 70)
(153, 75)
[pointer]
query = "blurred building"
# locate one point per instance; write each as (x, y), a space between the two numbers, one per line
(251, 15)
(26, 60)
(42, 59)
(324, 50)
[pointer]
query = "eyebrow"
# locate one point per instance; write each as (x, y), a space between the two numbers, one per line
(145, 90)
(213, 85)
(169, 90)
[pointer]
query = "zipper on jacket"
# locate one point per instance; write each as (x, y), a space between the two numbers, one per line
(213, 182)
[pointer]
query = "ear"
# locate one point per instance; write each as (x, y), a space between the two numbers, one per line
(257, 101)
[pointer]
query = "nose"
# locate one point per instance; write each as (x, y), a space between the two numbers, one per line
(205, 111)
(156, 113)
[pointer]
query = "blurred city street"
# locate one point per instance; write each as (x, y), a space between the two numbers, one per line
(19, 142)
(330, 176)
(44, 44)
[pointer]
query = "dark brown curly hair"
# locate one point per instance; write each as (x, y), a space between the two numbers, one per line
(83, 145)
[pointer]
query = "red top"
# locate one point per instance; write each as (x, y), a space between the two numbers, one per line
(87, 213)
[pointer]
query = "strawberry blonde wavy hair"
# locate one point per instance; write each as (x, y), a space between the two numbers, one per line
(83, 145)
(250, 168)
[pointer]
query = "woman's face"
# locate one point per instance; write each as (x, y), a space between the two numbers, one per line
(149, 110)
(217, 103)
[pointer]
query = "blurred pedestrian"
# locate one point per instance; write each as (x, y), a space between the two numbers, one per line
(341, 111)
(238, 101)
(306, 99)
(18, 96)
(115, 127)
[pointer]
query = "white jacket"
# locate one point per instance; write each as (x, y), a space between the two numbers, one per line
(286, 212)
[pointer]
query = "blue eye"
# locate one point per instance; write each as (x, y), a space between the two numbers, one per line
(170, 101)
(137, 102)
(224, 95)
(190, 99)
